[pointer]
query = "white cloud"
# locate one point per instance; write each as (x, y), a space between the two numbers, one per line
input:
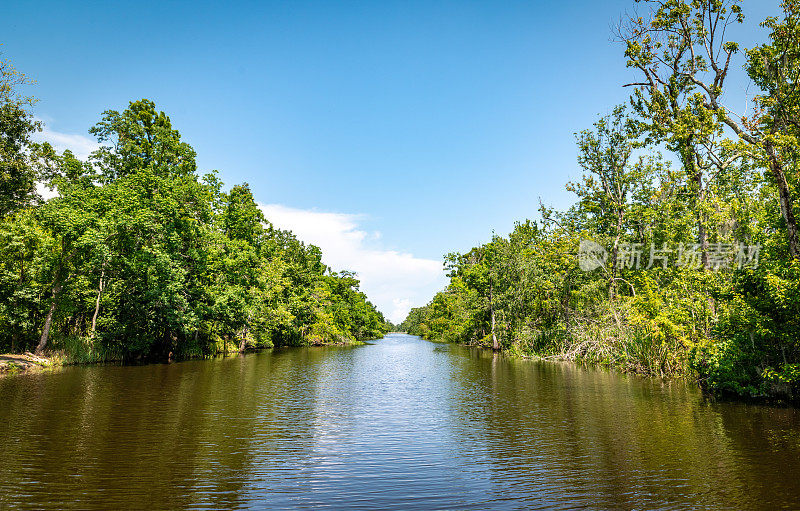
(393, 281)
(400, 308)
(45, 192)
(80, 145)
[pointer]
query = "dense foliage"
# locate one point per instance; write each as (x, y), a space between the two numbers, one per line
(694, 207)
(139, 257)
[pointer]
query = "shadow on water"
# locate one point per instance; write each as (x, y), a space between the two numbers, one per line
(397, 424)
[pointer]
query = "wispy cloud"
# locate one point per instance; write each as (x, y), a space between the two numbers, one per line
(394, 281)
(80, 145)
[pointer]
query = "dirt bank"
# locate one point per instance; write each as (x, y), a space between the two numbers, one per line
(10, 363)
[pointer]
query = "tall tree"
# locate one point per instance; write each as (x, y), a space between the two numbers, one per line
(610, 178)
(774, 129)
(17, 176)
(680, 49)
(139, 138)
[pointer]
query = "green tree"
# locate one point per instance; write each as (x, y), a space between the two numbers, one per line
(774, 129)
(680, 51)
(141, 138)
(17, 176)
(611, 179)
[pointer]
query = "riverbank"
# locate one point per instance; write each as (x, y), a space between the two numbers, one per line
(82, 353)
(618, 354)
(28, 362)
(596, 354)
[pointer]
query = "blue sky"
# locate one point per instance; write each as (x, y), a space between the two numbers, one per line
(388, 132)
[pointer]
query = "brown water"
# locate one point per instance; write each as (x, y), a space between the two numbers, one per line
(400, 424)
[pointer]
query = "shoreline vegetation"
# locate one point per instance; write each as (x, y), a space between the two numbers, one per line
(681, 255)
(137, 257)
(25, 363)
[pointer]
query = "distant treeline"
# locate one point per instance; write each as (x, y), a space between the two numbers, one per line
(139, 257)
(685, 221)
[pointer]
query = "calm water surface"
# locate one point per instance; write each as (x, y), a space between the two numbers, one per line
(400, 424)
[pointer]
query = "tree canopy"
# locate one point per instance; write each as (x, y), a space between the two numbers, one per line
(140, 257)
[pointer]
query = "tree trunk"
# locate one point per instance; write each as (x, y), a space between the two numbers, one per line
(495, 344)
(614, 253)
(97, 302)
(15, 332)
(243, 342)
(785, 199)
(702, 232)
(48, 321)
(702, 240)
(691, 161)
(775, 167)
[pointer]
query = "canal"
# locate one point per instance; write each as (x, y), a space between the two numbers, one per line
(400, 423)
